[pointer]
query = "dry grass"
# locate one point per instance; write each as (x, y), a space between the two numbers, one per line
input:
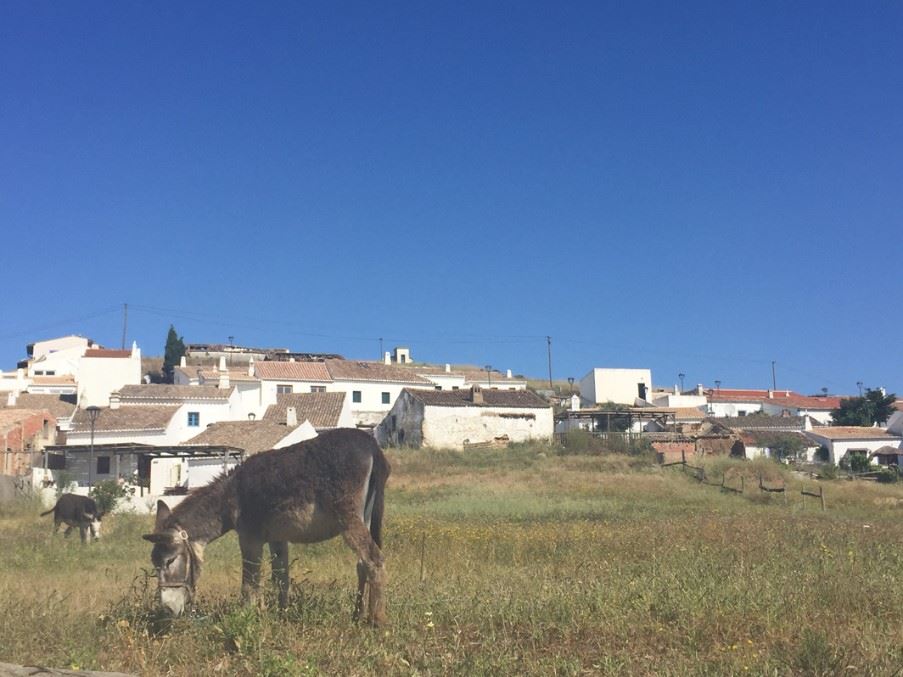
(525, 563)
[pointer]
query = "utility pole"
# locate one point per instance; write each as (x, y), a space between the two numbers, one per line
(774, 381)
(549, 344)
(380, 348)
(125, 322)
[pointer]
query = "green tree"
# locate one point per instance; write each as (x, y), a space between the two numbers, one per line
(874, 407)
(783, 445)
(175, 349)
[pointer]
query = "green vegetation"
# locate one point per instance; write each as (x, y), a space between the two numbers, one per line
(172, 354)
(107, 494)
(874, 407)
(526, 561)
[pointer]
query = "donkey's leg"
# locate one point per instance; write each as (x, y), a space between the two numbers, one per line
(358, 538)
(83, 533)
(251, 554)
(68, 531)
(279, 566)
(361, 588)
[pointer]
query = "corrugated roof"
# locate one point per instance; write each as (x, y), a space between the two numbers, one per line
(292, 371)
(151, 417)
(350, 370)
(251, 436)
(491, 398)
(163, 391)
(321, 409)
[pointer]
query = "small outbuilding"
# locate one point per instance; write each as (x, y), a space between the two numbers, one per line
(457, 419)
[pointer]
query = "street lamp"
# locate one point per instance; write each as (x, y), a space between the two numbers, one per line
(571, 383)
(859, 383)
(488, 369)
(717, 385)
(681, 376)
(92, 412)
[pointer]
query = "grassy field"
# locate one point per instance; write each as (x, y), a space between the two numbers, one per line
(517, 562)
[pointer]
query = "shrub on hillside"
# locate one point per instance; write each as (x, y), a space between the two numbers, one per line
(108, 493)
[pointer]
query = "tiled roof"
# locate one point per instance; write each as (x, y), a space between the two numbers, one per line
(778, 397)
(761, 422)
(491, 398)
(852, 433)
(760, 438)
(61, 380)
(351, 370)
(292, 371)
(104, 352)
(212, 374)
(164, 391)
(151, 417)
(55, 404)
(252, 436)
(321, 409)
(887, 450)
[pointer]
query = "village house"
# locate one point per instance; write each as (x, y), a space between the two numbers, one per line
(620, 386)
(459, 418)
(372, 387)
(324, 411)
(281, 378)
(724, 402)
(843, 441)
(23, 435)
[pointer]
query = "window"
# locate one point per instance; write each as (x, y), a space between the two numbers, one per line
(103, 465)
(356, 396)
(387, 398)
(318, 389)
(284, 388)
(438, 388)
(194, 419)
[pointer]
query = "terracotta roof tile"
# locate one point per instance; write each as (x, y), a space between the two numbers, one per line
(853, 433)
(251, 436)
(321, 409)
(163, 391)
(149, 417)
(351, 370)
(10, 418)
(58, 405)
(105, 352)
(292, 371)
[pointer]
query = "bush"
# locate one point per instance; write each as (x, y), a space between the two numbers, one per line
(107, 494)
(859, 462)
(828, 471)
(888, 475)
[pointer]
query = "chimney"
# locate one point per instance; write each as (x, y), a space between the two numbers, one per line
(387, 358)
(476, 394)
(508, 374)
(251, 367)
(699, 389)
(11, 398)
(575, 402)
(291, 417)
(114, 401)
(222, 363)
(183, 361)
(770, 394)
(223, 380)
(447, 368)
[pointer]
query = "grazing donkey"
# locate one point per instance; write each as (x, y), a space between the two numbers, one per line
(76, 511)
(312, 491)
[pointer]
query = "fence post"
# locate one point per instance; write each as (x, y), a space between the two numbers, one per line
(742, 482)
(821, 495)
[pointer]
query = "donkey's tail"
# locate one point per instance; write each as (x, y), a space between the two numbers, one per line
(376, 493)
(49, 511)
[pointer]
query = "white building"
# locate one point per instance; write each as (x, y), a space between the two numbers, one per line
(102, 372)
(372, 387)
(285, 378)
(621, 386)
(841, 441)
(457, 418)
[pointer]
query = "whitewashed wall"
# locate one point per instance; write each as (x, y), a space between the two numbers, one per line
(450, 427)
(615, 385)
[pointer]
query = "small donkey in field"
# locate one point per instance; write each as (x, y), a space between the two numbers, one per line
(328, 486)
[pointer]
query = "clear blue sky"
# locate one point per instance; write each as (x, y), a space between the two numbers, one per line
(690, 187)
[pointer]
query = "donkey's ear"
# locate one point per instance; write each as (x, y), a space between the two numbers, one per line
(163, 513)
(158, 538)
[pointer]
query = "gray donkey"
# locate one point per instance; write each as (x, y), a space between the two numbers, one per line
(330, 485)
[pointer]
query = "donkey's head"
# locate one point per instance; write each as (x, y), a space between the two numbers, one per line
(176, 560)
